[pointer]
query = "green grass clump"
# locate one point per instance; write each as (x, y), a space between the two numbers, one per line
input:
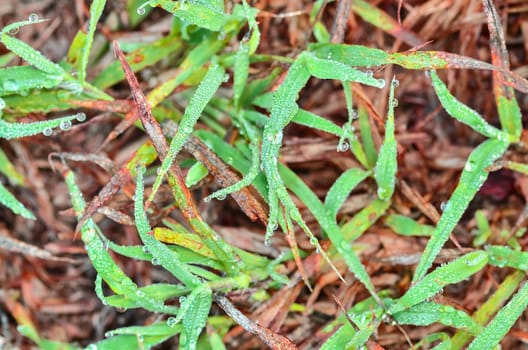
(205, 266)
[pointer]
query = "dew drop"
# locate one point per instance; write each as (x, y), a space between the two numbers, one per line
(267, 241)
(226, 78)
(382, 192)
(381, 83)
(2, 104)
(443, 205)
(395, 83)
(313, 241)
(275, 226)
(47, 131)
(369, 73)
(33, 17)
(221, 197)
(182, 299)
(65, 125)
(80, 116)
(109, 334)
(146, 249)
(469, 166)
(171, 321)
(140, 294)
(329, 56)
(428, 73)
(141, 10)
(155, 261)
(343, 147)
(394, 103)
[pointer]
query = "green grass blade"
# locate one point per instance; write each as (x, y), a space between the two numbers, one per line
(101, 260)
(241, 72)
(427, 313)
(202, 15)
(136, 337)
(96, 9)
(460, 111)
(329, 225)
(365, 131)
(503, 256)
(361, 222)
(197, 306)
(7, 199)
(161, 254)
(328, 69)
(386, 165)
(341, 188)
(472, 178)
(26, 52)
(490, 307)
(361, 56)
(406, 226)
(311, 120)
(8, 169)
(17, 130)
(503, 322)
(22, 79)
(192, 62)
(205, 91)
(382, 20)
(454, 272)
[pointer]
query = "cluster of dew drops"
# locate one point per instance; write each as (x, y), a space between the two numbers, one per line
(65, 125)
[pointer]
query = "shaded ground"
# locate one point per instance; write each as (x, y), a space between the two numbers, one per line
(433, 148)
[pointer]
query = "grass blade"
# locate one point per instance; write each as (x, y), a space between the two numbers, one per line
(503, 322)
(205, 91)
(473, 176)
(386, 165)
(7, 199)
(433, 283)
(427, 313)
(460, 111)
(96, 9)
(161, 254)
(341, 188)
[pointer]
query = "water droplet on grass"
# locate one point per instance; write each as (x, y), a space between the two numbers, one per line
(171, 321)
(80, 117)
(343, 147)
(13, 31)
(2, 104)
(221, 196)
(65, 125)
(369, 73)
(395, 83)
(155, 261)
(141, 10)
(33, 17)
(395, 103)
(47, 131)
(469, 166)
(381, 83)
